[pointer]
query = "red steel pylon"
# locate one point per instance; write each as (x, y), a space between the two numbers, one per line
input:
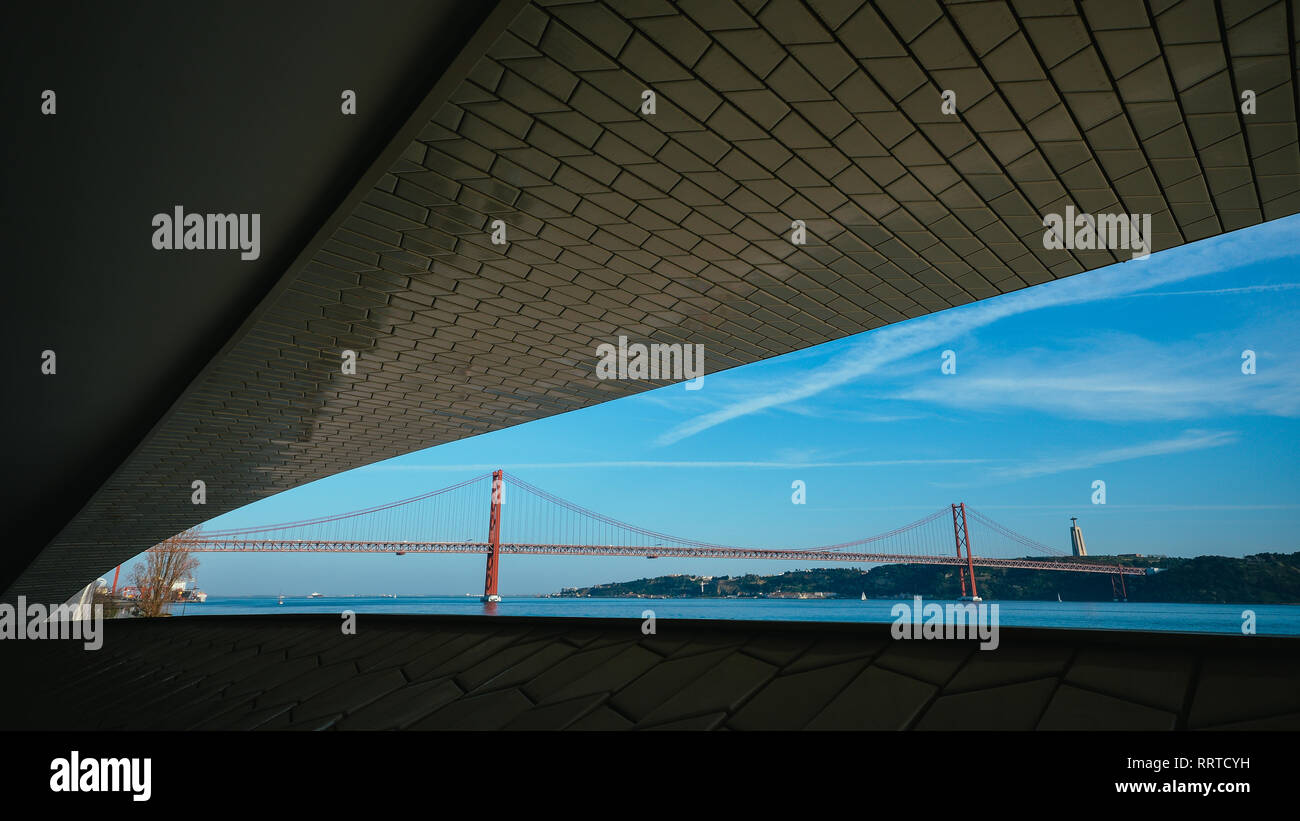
(494, 539)
(962, 537)
(1120, 593)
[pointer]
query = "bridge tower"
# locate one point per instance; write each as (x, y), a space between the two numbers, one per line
(494, 539)
(1120, 593)
(962, 537)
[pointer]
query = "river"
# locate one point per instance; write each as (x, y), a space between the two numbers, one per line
(1270, 619)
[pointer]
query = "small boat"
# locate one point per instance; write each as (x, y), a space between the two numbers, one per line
(316, 596)
(282, 599)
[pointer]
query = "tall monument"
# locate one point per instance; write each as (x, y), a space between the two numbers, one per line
(1076, 538)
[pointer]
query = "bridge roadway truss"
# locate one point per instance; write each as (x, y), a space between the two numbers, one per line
(320, 546)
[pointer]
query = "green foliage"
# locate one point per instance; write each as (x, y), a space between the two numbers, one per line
(1265, 578)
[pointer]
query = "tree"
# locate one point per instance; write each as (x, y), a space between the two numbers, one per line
(102, 598)
(165, 564)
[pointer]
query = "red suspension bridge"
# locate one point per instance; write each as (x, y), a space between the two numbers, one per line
(543, 524)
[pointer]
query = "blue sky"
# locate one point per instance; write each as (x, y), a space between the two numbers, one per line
(1130, 374)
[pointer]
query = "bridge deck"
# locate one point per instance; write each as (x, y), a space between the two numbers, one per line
(343, 546)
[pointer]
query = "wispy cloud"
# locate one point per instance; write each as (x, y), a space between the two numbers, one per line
(1248, 289)
(862, 417)
(693, 465)
(1120, 377)
(894, 342)
(1189, 441)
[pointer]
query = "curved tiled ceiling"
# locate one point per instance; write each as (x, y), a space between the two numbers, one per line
(675, 226)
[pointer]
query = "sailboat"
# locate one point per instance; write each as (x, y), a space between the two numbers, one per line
(1058, 597)
(864, 596)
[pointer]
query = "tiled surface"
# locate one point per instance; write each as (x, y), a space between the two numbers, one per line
(432, 673)
(675, 227)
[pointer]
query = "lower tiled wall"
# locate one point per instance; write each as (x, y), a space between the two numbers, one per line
(438, 672)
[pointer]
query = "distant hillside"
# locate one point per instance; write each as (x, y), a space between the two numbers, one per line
(1265, 578)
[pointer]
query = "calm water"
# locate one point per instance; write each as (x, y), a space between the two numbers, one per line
(1270, 619)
